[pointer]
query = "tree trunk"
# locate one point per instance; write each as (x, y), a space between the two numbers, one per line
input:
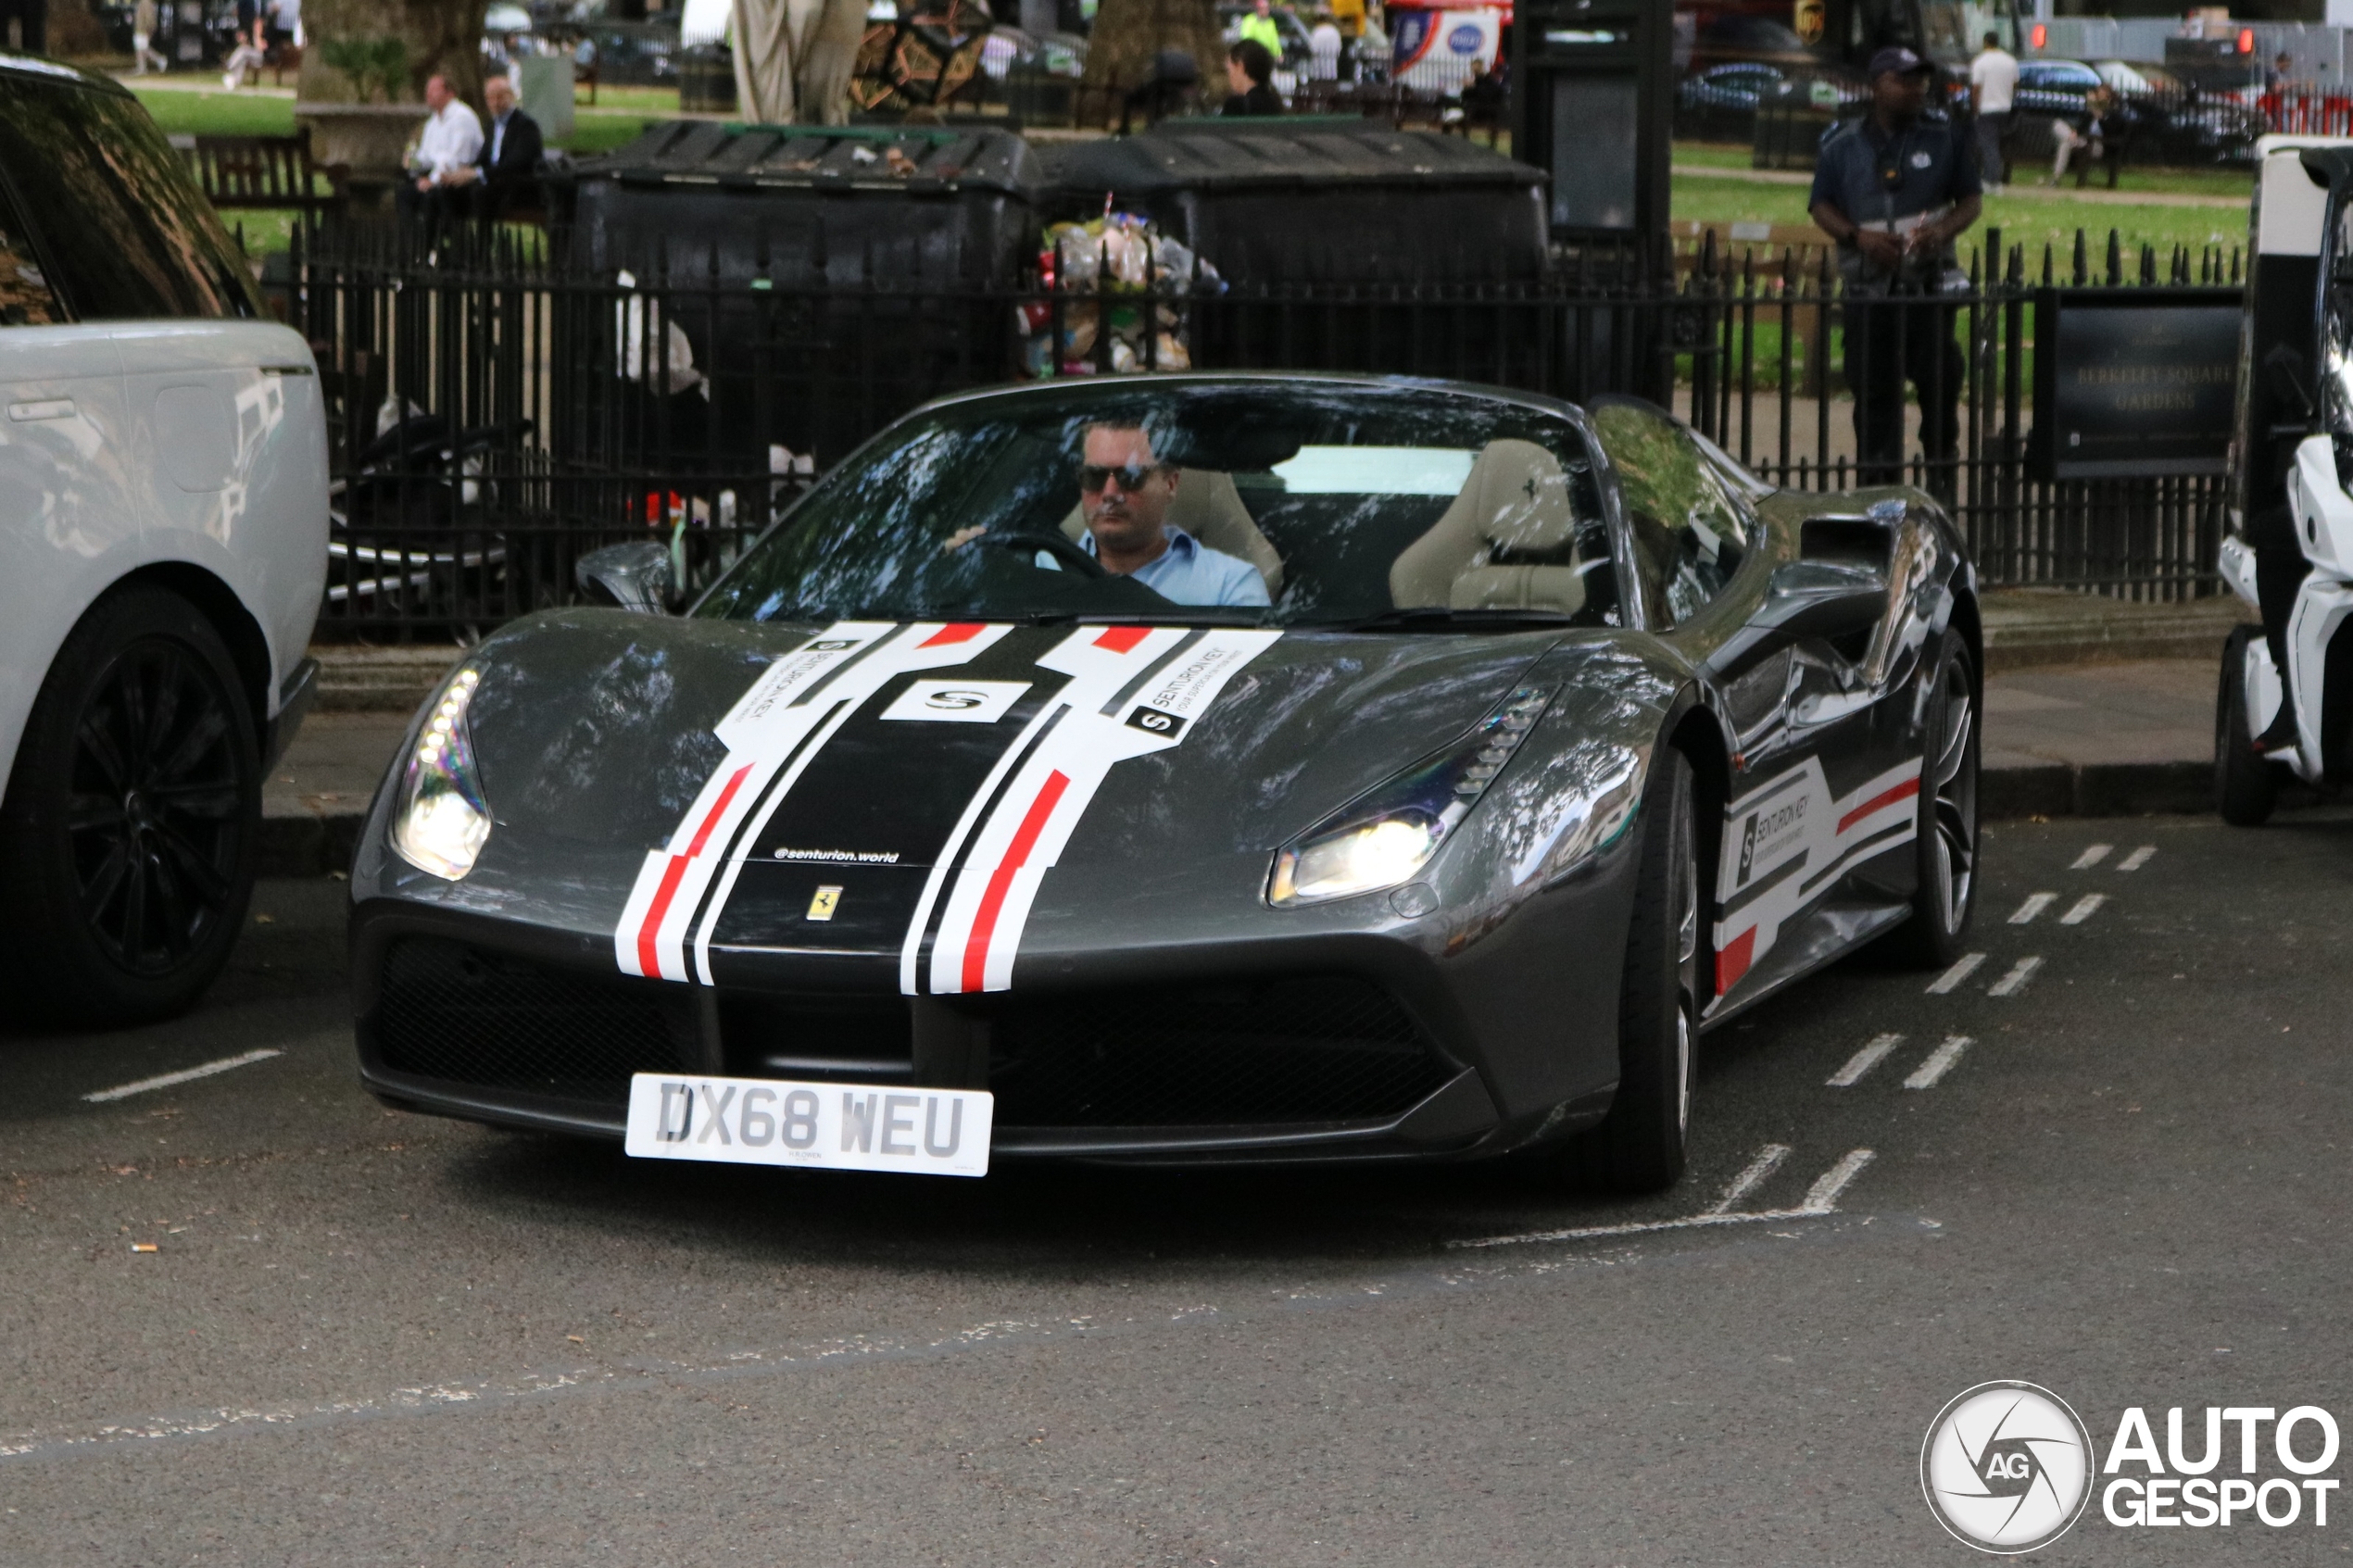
(1130, 33)
(444, 39)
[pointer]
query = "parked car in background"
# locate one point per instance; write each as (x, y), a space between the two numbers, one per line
(629, 53)
(1720, 104)
(2184, 123)
(163, 544)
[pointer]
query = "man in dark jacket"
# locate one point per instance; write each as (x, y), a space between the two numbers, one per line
(1895, 189)
(1250, 71)
(507, 171)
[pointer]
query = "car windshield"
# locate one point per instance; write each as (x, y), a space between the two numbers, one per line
(1199, 500)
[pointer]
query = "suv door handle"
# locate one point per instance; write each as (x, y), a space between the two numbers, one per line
(49, 409)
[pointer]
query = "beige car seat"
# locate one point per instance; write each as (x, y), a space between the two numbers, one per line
(1208, 506)
(1514, 503)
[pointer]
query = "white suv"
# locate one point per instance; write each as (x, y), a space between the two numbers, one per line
(163, 543)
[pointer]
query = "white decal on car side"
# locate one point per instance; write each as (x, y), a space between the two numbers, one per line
(1788, 840)
(777, 725)
(1093, 726)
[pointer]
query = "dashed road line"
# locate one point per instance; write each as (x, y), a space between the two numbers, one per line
(1938, 1062)
(1862, 1061)
(2091, 857)
(1769, 1160)
(2011, 985)
(2084, 908)
(2036, 904)
(2137, 859)
(1821, 1198)
(1954, 975)
(185, 1076)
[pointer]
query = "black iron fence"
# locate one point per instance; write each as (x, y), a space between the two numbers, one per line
(497, 413)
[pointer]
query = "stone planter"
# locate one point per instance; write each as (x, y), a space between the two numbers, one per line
(367, 138)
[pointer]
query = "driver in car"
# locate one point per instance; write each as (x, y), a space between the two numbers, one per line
(1124, 492)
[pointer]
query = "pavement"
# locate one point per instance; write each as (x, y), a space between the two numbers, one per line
(2108, 1159)
(2093, 708)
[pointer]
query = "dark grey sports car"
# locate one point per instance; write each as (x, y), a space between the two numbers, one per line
(1189, 768)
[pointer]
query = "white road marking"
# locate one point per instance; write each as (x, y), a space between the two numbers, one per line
(2091, 857)
(1939, 1062)
(1954, 975)
(1862, 1061)
(2036, 904)
(2011, 985)
(1769, 1160)
(1821, 1198)
(2083, 909)
(186, 1076)
(2137, 859)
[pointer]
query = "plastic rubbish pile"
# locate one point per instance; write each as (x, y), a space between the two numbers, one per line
(1134, 279)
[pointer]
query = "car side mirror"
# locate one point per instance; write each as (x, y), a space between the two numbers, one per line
(1806, 599)
(631, 577)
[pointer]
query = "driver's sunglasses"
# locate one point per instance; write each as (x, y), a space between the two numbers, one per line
(1092, 476)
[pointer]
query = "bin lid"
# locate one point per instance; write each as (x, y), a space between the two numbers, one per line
(915, 159)
(1240, 154)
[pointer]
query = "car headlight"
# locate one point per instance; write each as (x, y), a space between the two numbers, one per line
(1386, 836)
(439, 818)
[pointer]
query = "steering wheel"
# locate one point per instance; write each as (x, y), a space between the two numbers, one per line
(1054, 545)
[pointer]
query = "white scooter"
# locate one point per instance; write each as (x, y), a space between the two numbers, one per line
(2295, 451)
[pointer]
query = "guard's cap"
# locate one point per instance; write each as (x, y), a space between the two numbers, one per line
(1897, 58)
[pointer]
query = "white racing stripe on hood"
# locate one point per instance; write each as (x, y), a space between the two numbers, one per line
(988, 907)
(802, 698)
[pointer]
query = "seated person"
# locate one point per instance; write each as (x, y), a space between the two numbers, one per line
(1125, 492)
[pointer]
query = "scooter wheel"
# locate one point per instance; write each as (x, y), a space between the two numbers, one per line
(2247, 786)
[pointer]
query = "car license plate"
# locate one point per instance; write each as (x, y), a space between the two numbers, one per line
(836, 1126)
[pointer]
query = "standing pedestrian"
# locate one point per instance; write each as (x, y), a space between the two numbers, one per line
(1249, 73)
(1993, 79)
(142, 32)
(1323, 49)
(1260, 27)
(1895, 190)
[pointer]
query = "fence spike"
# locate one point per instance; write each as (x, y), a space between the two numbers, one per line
(2115, 260)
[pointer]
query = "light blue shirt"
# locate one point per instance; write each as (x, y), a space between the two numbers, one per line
(1190, 573)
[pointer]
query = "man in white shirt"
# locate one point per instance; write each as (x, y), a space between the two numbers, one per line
(447, 150)
(1992, 78)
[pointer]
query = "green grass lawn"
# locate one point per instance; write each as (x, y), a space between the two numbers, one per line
(620, 113)
(2174, 181)
(2031, 221)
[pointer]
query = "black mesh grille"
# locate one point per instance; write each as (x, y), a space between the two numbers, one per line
(1295, 1050)
(468, 1016)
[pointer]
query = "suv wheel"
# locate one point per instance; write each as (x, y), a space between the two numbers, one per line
(127, 835)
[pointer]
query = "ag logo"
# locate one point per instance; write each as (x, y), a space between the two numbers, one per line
(956, 702)
(2006, 1467)
(1152, 721)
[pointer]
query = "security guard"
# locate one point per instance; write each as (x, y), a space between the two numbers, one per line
(1895, 189)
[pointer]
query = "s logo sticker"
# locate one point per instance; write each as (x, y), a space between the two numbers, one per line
(956, 702)
(1152, 721)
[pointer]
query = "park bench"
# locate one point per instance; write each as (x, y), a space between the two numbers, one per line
(267, 172)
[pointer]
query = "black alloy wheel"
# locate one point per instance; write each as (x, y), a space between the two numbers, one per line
(1642, 1144)
(130, 816)
(1946, 839)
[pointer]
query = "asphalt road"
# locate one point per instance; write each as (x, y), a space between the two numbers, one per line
(369, 1338)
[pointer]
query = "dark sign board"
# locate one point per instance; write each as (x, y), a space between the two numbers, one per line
(2133, 381)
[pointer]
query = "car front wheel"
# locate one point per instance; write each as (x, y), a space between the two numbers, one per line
(127, 835)
(1640, 1145)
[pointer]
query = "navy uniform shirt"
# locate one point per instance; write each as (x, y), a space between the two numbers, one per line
(1931, 167)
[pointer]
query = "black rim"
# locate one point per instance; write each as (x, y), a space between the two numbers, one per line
(1953, 777)
(154, 817)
